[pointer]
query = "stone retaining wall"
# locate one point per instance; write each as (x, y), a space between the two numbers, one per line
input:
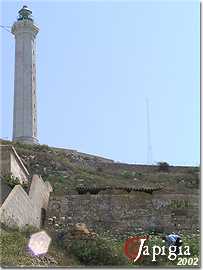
(121, 214)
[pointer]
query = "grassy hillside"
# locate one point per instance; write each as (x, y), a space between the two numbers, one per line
(66, 170)
(15, 252)
(100, 251)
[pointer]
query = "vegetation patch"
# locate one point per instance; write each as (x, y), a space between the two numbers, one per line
(163, 166)
(14, 251)
(13, 181)
(98, 252)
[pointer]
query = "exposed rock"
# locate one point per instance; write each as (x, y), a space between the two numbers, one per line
(80, 230)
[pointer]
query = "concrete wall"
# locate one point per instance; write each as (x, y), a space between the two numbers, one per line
(5, 165)
(39, 193)
(4, 190)
(16, 169)
(11, 164)
(20, 209)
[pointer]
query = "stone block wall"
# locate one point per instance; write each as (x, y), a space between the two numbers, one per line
(127, 213)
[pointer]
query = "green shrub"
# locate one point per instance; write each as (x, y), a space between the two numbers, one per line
(163, 166)
(98, 252)
(22, 145)
(193, 241)
(127, 174)
(13, 181)
(61, 179)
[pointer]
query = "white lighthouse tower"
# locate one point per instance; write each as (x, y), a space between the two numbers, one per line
(25, 103)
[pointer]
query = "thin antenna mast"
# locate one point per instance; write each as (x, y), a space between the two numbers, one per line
(7, 28)
(149, 145)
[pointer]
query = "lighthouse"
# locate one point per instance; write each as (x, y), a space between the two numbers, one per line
(25, 101)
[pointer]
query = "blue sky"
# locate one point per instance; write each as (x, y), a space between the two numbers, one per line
(97, 62)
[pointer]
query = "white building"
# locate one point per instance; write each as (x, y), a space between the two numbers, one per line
(25, 103)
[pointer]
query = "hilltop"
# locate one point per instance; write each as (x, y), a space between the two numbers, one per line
(69, 170)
